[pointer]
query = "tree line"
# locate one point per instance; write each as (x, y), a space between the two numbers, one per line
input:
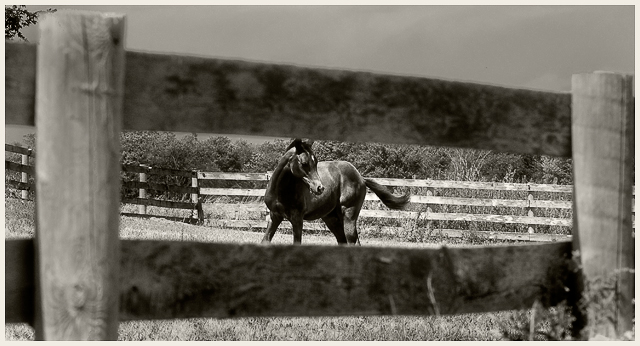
(403, 161)
(213, 154)
(165, 149)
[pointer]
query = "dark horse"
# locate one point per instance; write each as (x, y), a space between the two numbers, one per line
(301, 188)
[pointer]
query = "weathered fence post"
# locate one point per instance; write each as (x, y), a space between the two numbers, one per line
(25, 177)
(603, 152)
(79, 85)
(197, 212)
(430, 223)
(142, 193)
(529, 210)
(194, 184)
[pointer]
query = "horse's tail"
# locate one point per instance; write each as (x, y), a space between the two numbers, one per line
(390, 200)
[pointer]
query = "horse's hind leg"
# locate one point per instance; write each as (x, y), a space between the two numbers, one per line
(334, 223)
(350, 218)
(272, 226)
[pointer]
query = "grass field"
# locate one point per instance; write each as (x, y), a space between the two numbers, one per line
(490, 326)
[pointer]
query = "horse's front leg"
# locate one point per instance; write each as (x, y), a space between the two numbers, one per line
(272, 226)
(296, 225)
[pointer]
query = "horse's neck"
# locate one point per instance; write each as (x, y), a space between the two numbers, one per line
(279, 172)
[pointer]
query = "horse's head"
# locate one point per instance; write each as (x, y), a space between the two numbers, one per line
(303, 164)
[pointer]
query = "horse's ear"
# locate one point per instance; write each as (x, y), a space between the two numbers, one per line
(297, 143)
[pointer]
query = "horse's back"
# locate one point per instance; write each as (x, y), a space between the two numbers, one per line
(343, 170)
(343, 177)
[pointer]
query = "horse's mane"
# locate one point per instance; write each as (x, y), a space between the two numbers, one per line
(298, 143)
(284, 160)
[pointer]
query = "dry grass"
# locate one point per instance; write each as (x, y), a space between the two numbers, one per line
(361, 328)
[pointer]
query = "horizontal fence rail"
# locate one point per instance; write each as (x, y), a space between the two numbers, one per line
(393, 214)
(156, 170)
(159, 187)
(163, 280)
(18, 167)
(19, 150)
(159, 203)
(449, 184)
(315, 103)
(478, 202)
(19, 185)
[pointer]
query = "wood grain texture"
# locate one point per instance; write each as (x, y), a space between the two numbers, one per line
(79, 116)
(162, 280)
(193, 94)
(603, 161)
(199, 94)
(172, 280)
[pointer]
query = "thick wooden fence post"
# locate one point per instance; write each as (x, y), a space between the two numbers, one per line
(603, 152)
(79, 85)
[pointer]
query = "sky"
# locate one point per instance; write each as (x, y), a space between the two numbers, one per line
(537, 47)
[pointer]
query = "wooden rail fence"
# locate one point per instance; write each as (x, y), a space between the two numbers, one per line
(24, 168)
(76, 279)
(194, 205)
(197, 194)
(425, 214)
(529, 204)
